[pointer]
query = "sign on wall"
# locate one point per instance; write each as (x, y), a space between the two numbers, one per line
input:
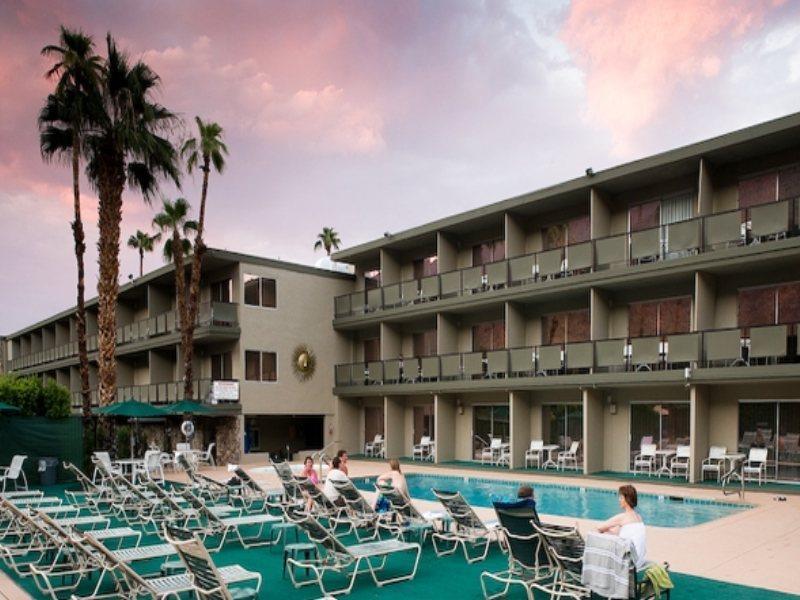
(225, 391)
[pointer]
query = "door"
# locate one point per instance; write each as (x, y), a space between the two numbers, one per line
(563, 424)
(373, 422)
(489, 422)
(665, 424)
(776, 427)
(789, 441)
(423, 422)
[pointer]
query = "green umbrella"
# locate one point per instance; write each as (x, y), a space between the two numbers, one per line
(8, 408)
(189, 407)
(132, 409)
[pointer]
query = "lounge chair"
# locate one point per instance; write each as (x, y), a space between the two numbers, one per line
(715, 462)
(335, 515)
(348, 561)
(681, 462)
(375, 447)
(14, 473)
(534, 454)
(467, 531)
(404, 520)
(359, 512)
(207, 487)
(92, 496)
(645, 460)
(569, 456)
(103, 458)
(755, 467)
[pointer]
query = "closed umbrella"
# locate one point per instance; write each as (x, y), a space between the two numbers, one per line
(131, 409)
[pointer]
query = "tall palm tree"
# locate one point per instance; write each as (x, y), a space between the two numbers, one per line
(205, 151)
(127, 145)
(143, 242)
(328, 239)
(174, 223)
(66, 115)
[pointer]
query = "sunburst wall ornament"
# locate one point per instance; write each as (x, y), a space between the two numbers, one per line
(303, 362)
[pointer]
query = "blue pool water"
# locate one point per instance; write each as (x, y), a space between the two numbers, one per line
(567, 500)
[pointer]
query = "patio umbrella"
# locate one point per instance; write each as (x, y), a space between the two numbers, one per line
(189, 407)
(8, 408)
(133, 410)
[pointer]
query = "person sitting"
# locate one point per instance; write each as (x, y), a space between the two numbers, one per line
(342, 456)
(628, 524)
(309, 472)
(335, 474)
(525, 497)
(394, 477)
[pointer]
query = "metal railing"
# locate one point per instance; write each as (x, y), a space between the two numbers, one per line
(160, 393)
(217, 314)
(739, 227)
(732, 347)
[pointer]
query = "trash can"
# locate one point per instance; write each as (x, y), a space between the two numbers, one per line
(48, 470)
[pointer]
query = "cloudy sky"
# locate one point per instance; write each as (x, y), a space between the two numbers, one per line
(378, 116)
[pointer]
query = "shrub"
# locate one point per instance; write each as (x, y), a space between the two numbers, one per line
(123, 442)
(56, 400)
(33, 398)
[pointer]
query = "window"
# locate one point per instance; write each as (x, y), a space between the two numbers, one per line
(221, 366)
(758, 190)
(644, 216)
(424, 267)
(488, 252)
(221, 290)
(663, 211)
(660, 317)
(261, 366)
(372, 349)
(769, 305)
(574, 231)
(425, 343)
(260, 291)
(488, 336)
(563, 327)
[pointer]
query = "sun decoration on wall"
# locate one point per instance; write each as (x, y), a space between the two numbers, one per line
(303, 362)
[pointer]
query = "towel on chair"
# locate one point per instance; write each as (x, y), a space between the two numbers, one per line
(607, 561)
(658, 577)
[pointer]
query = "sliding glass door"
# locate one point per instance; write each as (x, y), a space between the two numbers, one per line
(423, 422)
(489, 421)
(774, 425)
(665, 424)
(562, 424)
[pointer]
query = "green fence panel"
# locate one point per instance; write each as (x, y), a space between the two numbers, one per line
(38, 437)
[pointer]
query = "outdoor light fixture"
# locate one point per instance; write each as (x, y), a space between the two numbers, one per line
(590, 172)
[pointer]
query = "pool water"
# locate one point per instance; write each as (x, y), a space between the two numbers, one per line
(568, 500)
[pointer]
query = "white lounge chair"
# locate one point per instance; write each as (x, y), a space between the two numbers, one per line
(715, 462)
(14, 473)
(534, 453)
(102, 460)
(755, 467)
(375, 447)
(569, 456)
(681, 462)
(423, 449)
(468, 530)
(491, 451)
(645, 460)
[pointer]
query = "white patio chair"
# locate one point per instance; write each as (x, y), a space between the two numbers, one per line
(206, 456)
(569, 456)
(14, 473)
(374, 447)
(755, 467)
(504, 458)
(715, 461)
(103, 458)
(681, 461)
(534, 453)
(489, 452)
(151, 467)
(422, 449)
(645, 460)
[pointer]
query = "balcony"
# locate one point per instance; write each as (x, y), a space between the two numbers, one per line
(737, 347)
(740, 227)
(213, 314)
(205, 390)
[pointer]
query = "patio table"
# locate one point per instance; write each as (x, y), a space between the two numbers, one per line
(664, 456)
(550, 448)
(129, 467)
(732, 459)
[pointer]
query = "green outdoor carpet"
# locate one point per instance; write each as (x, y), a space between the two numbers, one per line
(437, 578)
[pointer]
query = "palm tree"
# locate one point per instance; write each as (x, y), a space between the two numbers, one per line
(143, 242)
(66, 115)
(328, 239)
(205, 151)
(172, 221)
(126, 145)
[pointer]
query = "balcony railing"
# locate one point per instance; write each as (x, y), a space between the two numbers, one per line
(205, 390)
(775, 220)
(219, 314)
(714, 348)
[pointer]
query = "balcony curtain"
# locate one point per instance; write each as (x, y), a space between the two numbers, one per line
(757, 306)
(488, 252)
(578, 328)
(674, 316)
(554, 329)
(644, 216)
(758, 190)
(677, 208)
(789, 303)
(425, 343)
(789, 182)
(579, 230)
(488, 336)
(424, 267)
(643, 319)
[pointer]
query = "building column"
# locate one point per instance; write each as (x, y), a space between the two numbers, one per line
(599, 214)
(705, 300)
(446, 334)
(444, 426)
(446, 253)
(390, 342)
(705, 189)
(598, 315)
(593, 431)
(515, 325)
(394, 426)
(349, 427)
(698, 429)
(520, 415)
(390, 268)
(514, 236)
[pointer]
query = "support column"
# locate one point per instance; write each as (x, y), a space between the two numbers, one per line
(515, 236)
(598, 314)
(391, 342)
(444, 426)
(515, 326)
(394, 426)
(349, 427)
(446, 334)
(698, 429)
(705, 189)
(390, 268)
(447, 253)
(593, 432)
(520, 415)
(599, 214)
(705, 299)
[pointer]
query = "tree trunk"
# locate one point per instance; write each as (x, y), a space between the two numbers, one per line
(111, 184)
(180, 286)
(80, 311)
(187, 339)
(141, 262)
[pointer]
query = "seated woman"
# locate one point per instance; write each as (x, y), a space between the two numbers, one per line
(628, 524)
(394, 477)
(309, 472)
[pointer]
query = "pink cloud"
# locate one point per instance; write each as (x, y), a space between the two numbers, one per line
(636, 55)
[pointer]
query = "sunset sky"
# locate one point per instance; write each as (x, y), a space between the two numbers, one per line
(378, 116)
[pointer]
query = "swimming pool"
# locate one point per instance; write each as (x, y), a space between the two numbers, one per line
(568, 500)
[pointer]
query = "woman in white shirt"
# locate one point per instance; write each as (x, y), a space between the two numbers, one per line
(335, 474)
(628, 524)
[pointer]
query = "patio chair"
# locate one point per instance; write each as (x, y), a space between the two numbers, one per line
(204, 485)
(468, 530)
(645, 460)
(534, 453)
(488, 453)
(102, 458)
(375, 447)
(405, 520)
(715, 462)
(423, 449)
(348, 561)
(206, 456)
(359, 512)
(151, 467)
(14, 473)
(681, 462)
(569, 456)
(335, 515)
(92, 496)
(755, 467)
(207, 580)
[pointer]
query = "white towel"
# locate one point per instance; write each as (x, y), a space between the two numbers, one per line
(607, 563)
